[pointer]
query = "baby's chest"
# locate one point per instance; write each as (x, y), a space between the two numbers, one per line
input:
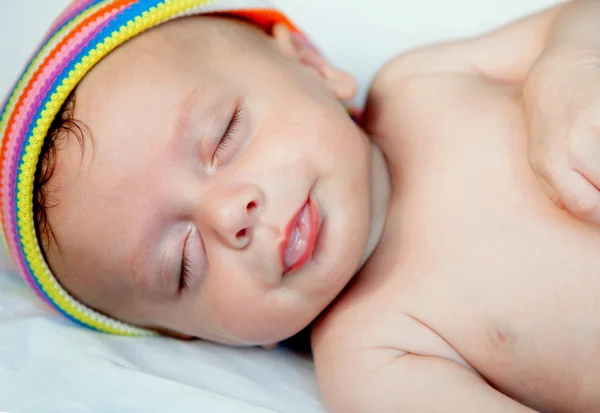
(518, 300)
(474, 251)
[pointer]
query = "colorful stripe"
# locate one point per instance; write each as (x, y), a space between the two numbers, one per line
(79, 38)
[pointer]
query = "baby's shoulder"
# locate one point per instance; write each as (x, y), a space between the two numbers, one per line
(401, 101)
(372, 321)
(357, 338)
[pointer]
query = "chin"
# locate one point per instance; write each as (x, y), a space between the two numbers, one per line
(269, 334)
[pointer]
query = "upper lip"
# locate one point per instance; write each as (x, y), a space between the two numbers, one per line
(313, 231)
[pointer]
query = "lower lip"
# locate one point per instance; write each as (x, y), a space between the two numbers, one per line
(311, 241)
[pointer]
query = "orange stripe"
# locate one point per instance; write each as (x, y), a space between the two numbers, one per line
(265, 18)
(115, 5)
(57, 48)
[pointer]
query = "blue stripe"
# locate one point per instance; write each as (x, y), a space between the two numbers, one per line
(120, 20)
(48, 36)
(70, 317)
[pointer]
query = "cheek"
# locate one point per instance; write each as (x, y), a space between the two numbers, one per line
(339, 147)
(249, 312)
(236, 303)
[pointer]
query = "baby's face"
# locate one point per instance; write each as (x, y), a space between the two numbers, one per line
(224, 194)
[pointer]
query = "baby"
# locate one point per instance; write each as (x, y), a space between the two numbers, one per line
(202, 179)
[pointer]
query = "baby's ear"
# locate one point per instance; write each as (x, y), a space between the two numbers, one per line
(294, 47)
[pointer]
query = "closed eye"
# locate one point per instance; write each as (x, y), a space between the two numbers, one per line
(185, 272)
(228, 135)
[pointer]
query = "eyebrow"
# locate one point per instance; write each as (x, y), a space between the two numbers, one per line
(183, 122)
(147, 263)
(152, 278)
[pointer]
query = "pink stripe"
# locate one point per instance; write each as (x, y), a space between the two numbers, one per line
(19, 260)
(61, 60)
(15, 141)
(39, 91)
(71, 11)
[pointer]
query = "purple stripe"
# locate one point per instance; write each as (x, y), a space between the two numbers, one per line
(76, 8)
(42, 94)
(44, 91)
(75, 45)
(67, 15)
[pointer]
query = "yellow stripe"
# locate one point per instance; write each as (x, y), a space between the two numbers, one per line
(26, 78)
(25, 223)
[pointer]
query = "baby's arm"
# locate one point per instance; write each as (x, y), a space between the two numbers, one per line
(419, 374)
(555, 57)
(412, 383)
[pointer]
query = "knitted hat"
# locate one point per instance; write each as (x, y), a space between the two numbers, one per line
(86, 32)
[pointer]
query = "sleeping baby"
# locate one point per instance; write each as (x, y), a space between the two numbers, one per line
(186, 167)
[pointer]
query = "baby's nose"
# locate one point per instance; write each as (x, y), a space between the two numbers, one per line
(234, 213)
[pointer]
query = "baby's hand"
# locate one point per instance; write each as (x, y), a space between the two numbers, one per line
(562, 101)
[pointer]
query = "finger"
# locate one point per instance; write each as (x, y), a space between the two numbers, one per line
(550, 192)
(590, 174)
(585, 157)
(578, 194)
(545, 171)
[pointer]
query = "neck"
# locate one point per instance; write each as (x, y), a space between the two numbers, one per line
(380, 197)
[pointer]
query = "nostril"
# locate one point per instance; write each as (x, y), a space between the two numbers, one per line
(251, 206)
(241, 234)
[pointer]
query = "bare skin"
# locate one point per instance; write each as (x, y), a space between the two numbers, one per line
(209, 136)
(482, 295)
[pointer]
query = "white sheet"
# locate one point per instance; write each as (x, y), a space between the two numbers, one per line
(49, 365)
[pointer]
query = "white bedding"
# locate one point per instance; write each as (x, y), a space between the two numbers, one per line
(49, 365)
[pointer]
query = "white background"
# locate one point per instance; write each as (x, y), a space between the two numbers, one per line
(49, 365)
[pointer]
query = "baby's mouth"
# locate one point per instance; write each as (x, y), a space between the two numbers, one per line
(301, 235)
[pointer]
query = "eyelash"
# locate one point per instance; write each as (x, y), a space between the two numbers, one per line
(185, 272)
(228, 135)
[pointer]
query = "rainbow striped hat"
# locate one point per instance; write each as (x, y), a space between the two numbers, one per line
(86, 32)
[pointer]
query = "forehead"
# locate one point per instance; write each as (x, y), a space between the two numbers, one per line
(106, 194)
(200, 40)
(100, 219)
(108, 201)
